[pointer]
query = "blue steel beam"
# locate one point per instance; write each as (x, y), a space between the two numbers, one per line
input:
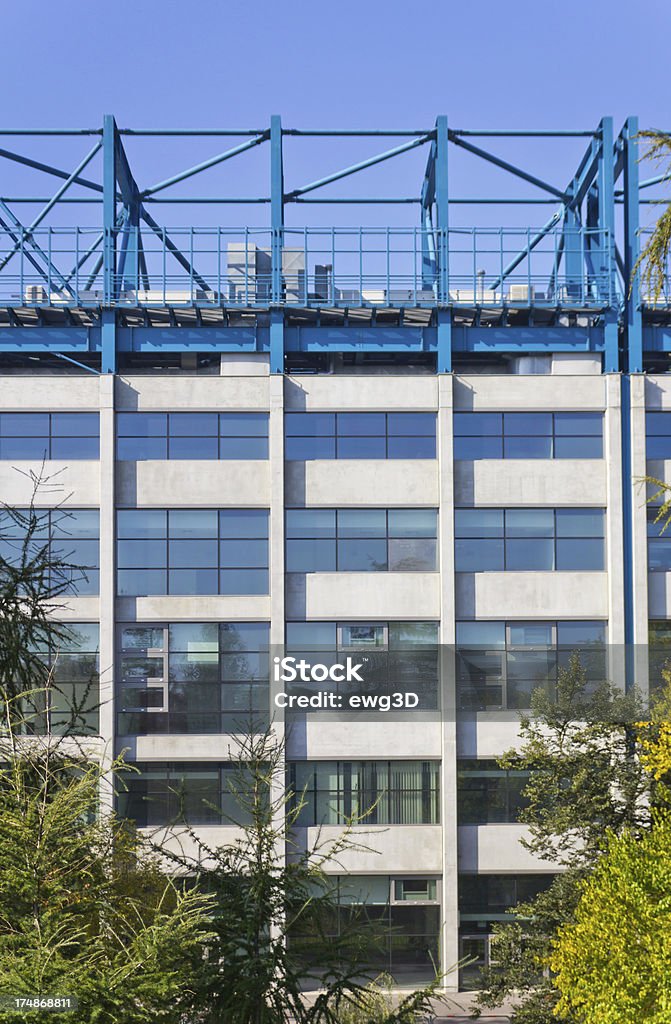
(378, 159)
(48, 169)
(51, 274)
(54, 199)
(632, 247)
(523, 253)
(506, 166)
(212, 162)
(174, 249)
(277, 244)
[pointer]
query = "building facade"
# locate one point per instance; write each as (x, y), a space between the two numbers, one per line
(340, 447)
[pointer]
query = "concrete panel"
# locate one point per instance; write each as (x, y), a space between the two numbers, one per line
(79, 609)
(193, 747)
(497, 849)
(180, 843)
(390, 849)
(659, 595)
(75, 483)
(517, 391)
(49, 393)
(371, 482)
(181, 482)
(371, 595)
(506, 482)
(139, 393)
(532, 595)
(344, 392)
(487, 734)
(657, 392)
(310, 737)
(177, 608)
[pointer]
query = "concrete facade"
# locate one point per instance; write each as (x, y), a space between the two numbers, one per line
(442, 850)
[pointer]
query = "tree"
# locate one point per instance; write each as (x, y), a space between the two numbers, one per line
(652, 264)
(85, 911)
(274, 903)
(612, 961)
(585, 778)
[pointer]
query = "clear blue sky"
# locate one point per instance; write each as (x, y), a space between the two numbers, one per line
(352, 63)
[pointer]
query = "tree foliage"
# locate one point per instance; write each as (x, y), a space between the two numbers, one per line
(653, 263)
(585, 780)
(274, 903)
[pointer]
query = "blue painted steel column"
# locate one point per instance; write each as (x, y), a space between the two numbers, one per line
(277, 246)
(627, 531)
(606, 250)
(632, 249)
(109, 245)
(443, 247)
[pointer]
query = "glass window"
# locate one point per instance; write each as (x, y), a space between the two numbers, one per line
(476, 522)
(247, 522)
(580, 522)
(579, 423)
(474, 555)
(193, 424)
(367, 522)
(533, 555)
(529, 522)
(534, 539)
(412, 423)
(357, 423)
(360, 435)
(361, 447)
(310, 522)
(57, 435)
(192, 435)
(142, 424)
(528, 435)
(362, 555)
(467, 448)
(527, 448)
(413, 522)
(478, 424)
(142, 523)
(300, 449)
(528, 424)
(193, 447)
(311, 555)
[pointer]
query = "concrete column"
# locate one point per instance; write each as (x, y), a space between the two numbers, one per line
(639, 530)
(107, 571)
(450, 906)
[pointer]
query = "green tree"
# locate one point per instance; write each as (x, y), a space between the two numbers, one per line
(586, 779)
(85, 910)
(274, 902)
(653, 262)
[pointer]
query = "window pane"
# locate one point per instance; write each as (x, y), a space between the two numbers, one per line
(358, 423)
(136, 449)
(141, 424)
(191, 522)
(24, 424)
(416, 555)
(659, 555)
(467, 448)
(243, 448)
(580, 554)
(579, 423)
(310, 522)
(658, 423)
(311, 634)
(478, 555)
(578, 448)
(75, 448)
(361, 447)
(75, 424)
(192, 554)
(413, 522)
(362, 555)
(193, 424)
(79, 522)
(306, 448)
(404, 635)
(243, 522)
(246, 553)
(24, 448)
(527, 447)
(243, 424)
(140, 582)
(477, 424)
(366, 522)
(148, 554)
(476, 522)
(486, 634)
(417, 423)
(141, 637)
(411, 448)
(530, 554)
(142, 523)
(530, 634)
(580, 522)
(193, 448)
(192, 581)
(244, 636)
(528, 424)
(311, 556)
(309, 424)
(529, 522)
(243, 581)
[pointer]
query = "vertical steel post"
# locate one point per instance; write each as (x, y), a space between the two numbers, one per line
(276, 246)
(109, 245)
(632, 245)
(443, 248)
(606, 243)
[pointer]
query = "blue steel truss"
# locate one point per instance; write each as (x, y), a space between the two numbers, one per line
(129, 282)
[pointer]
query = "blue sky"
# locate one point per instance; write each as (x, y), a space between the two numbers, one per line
(160, 63)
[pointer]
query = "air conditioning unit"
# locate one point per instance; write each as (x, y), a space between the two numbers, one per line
(35, 294)
(521, 293)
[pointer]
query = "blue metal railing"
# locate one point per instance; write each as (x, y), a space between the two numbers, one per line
(333, 267)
